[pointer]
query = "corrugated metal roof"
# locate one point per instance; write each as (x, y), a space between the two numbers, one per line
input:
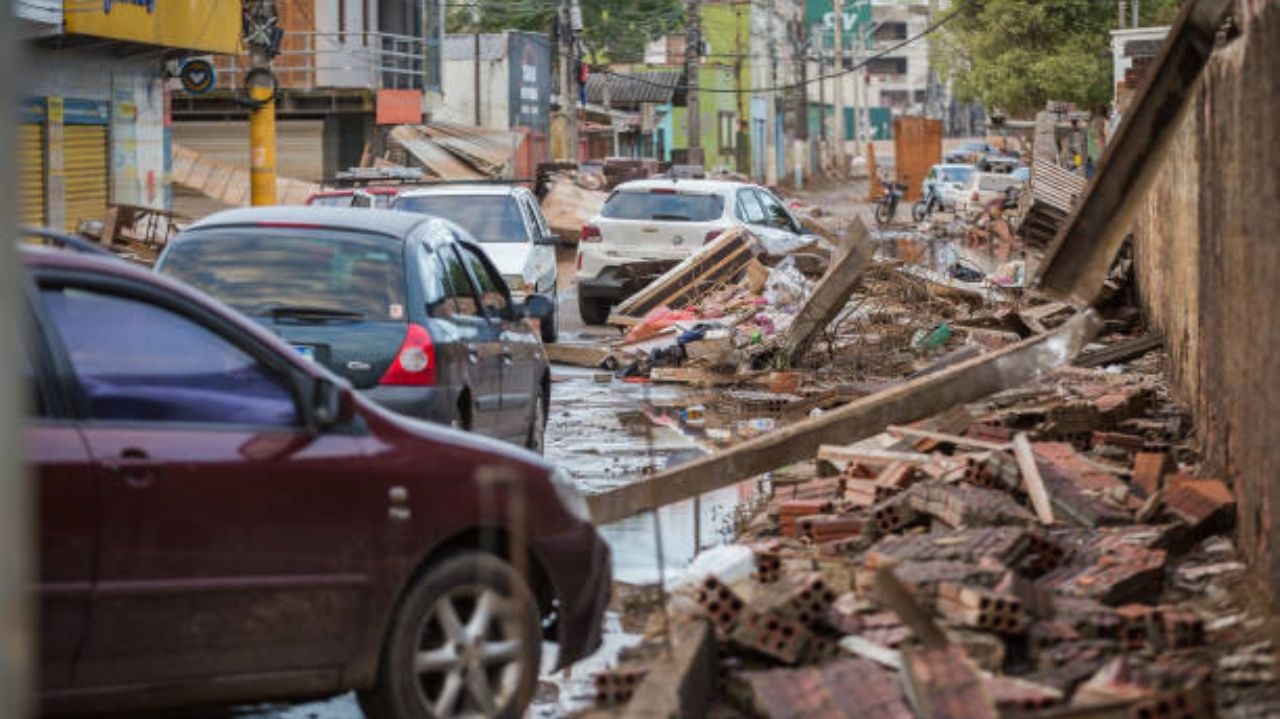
(658, 87)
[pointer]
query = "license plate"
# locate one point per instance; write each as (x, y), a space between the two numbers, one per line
(306, 351)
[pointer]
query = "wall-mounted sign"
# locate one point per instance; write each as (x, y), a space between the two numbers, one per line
(209, 25)
(198, 76)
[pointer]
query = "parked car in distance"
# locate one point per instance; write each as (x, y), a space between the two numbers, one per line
(379, 197)
(970, 152)
(509, 226)
(662, 221)
(404, 306)
(998, 163)
(945, 181)
(221, 520)
(982, 189)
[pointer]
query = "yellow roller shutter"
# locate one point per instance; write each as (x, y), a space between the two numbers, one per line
(85, 164)
(31, 174)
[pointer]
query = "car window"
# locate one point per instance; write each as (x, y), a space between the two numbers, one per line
(775, 213)
(343, 200)
(958, 175)
(664, 205)
(492, 296)
(749, 208)
(261, 270)
(137, 361)
(487, 218)
(458, 299)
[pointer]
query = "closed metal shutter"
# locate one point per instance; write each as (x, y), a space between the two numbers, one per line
(31, 175)
(85, 164)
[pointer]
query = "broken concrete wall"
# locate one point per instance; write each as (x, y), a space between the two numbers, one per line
(1208, 265)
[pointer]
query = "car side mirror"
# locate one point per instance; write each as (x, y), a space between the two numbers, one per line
(332, 404)
(539, 307)
(551, 239)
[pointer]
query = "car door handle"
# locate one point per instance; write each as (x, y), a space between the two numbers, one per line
(473, 356)
(507, 357)
(134, 467)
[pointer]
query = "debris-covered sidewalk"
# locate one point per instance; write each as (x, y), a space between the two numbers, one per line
(1051, 546)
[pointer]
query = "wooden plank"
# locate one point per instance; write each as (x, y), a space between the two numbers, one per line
(882, 655)
(828, 298)
(1121, 351)
(907, 402)
(895, 595)
(681, 683)
(840, 453)
(1031, 479)
(690, 375)
(955, 439)
(726, 254)
(1075, 265)
(581, 355)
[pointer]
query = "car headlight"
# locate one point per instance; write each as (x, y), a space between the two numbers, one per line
(569, 495)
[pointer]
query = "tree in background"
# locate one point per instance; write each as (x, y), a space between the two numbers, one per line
(1017, 54)
(614, 30)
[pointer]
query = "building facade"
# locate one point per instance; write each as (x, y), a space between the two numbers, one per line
(94, 122)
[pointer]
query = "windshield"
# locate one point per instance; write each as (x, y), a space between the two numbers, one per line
(487, 218)
(277, 271)
(956, 175)
(663, 205)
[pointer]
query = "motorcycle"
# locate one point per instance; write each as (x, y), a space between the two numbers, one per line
(887, 205)
(927, 205)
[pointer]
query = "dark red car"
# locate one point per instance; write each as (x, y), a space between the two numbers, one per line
(222, 520)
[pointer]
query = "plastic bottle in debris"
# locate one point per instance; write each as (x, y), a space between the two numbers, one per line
(928, 340)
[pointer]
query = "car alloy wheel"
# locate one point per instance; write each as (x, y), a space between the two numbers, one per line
(464, 642)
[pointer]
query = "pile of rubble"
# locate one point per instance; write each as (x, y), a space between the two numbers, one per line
(1050, 547)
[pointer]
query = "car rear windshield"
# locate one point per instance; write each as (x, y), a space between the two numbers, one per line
(958, 175)
(487, 218)
(264, 271)
(664, 205)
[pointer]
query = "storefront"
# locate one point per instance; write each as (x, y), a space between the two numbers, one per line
(94, 127)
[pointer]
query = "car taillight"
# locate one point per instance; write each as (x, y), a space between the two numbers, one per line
(415, 362)
(579, 260)
(590, 233)
(712, 235)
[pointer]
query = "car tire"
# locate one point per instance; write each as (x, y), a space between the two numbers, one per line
(538, 424)
(594, 312)
(551, 328)
(442, 658)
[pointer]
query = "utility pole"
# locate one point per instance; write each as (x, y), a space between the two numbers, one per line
(838, 41)
(263, 40)
(692, 49)
(570, 18)
(475, 71)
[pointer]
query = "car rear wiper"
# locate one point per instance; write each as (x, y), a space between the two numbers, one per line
(674, 218)
(304, 312)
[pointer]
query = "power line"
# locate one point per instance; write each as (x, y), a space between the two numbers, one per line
(799, 84)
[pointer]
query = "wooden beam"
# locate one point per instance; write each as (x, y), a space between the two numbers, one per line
(895, 595)
(680, 683)
(724, 255)
(907, 402)
(581, 355)
(841, 453)
(828, 298)
(1076, 264)
(1031, 479)
(955, 439)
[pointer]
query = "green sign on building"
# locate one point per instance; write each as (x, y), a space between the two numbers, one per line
(820, 16)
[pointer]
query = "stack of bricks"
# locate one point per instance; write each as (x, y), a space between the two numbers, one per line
(981, 609)
(893, 514)
(963, 505)
(768, 564)
(1128, 574)
(1086, 495)
(895, 477)
(616, 686)
(791, 510)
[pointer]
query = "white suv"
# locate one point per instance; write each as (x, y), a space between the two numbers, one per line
(646, 226)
